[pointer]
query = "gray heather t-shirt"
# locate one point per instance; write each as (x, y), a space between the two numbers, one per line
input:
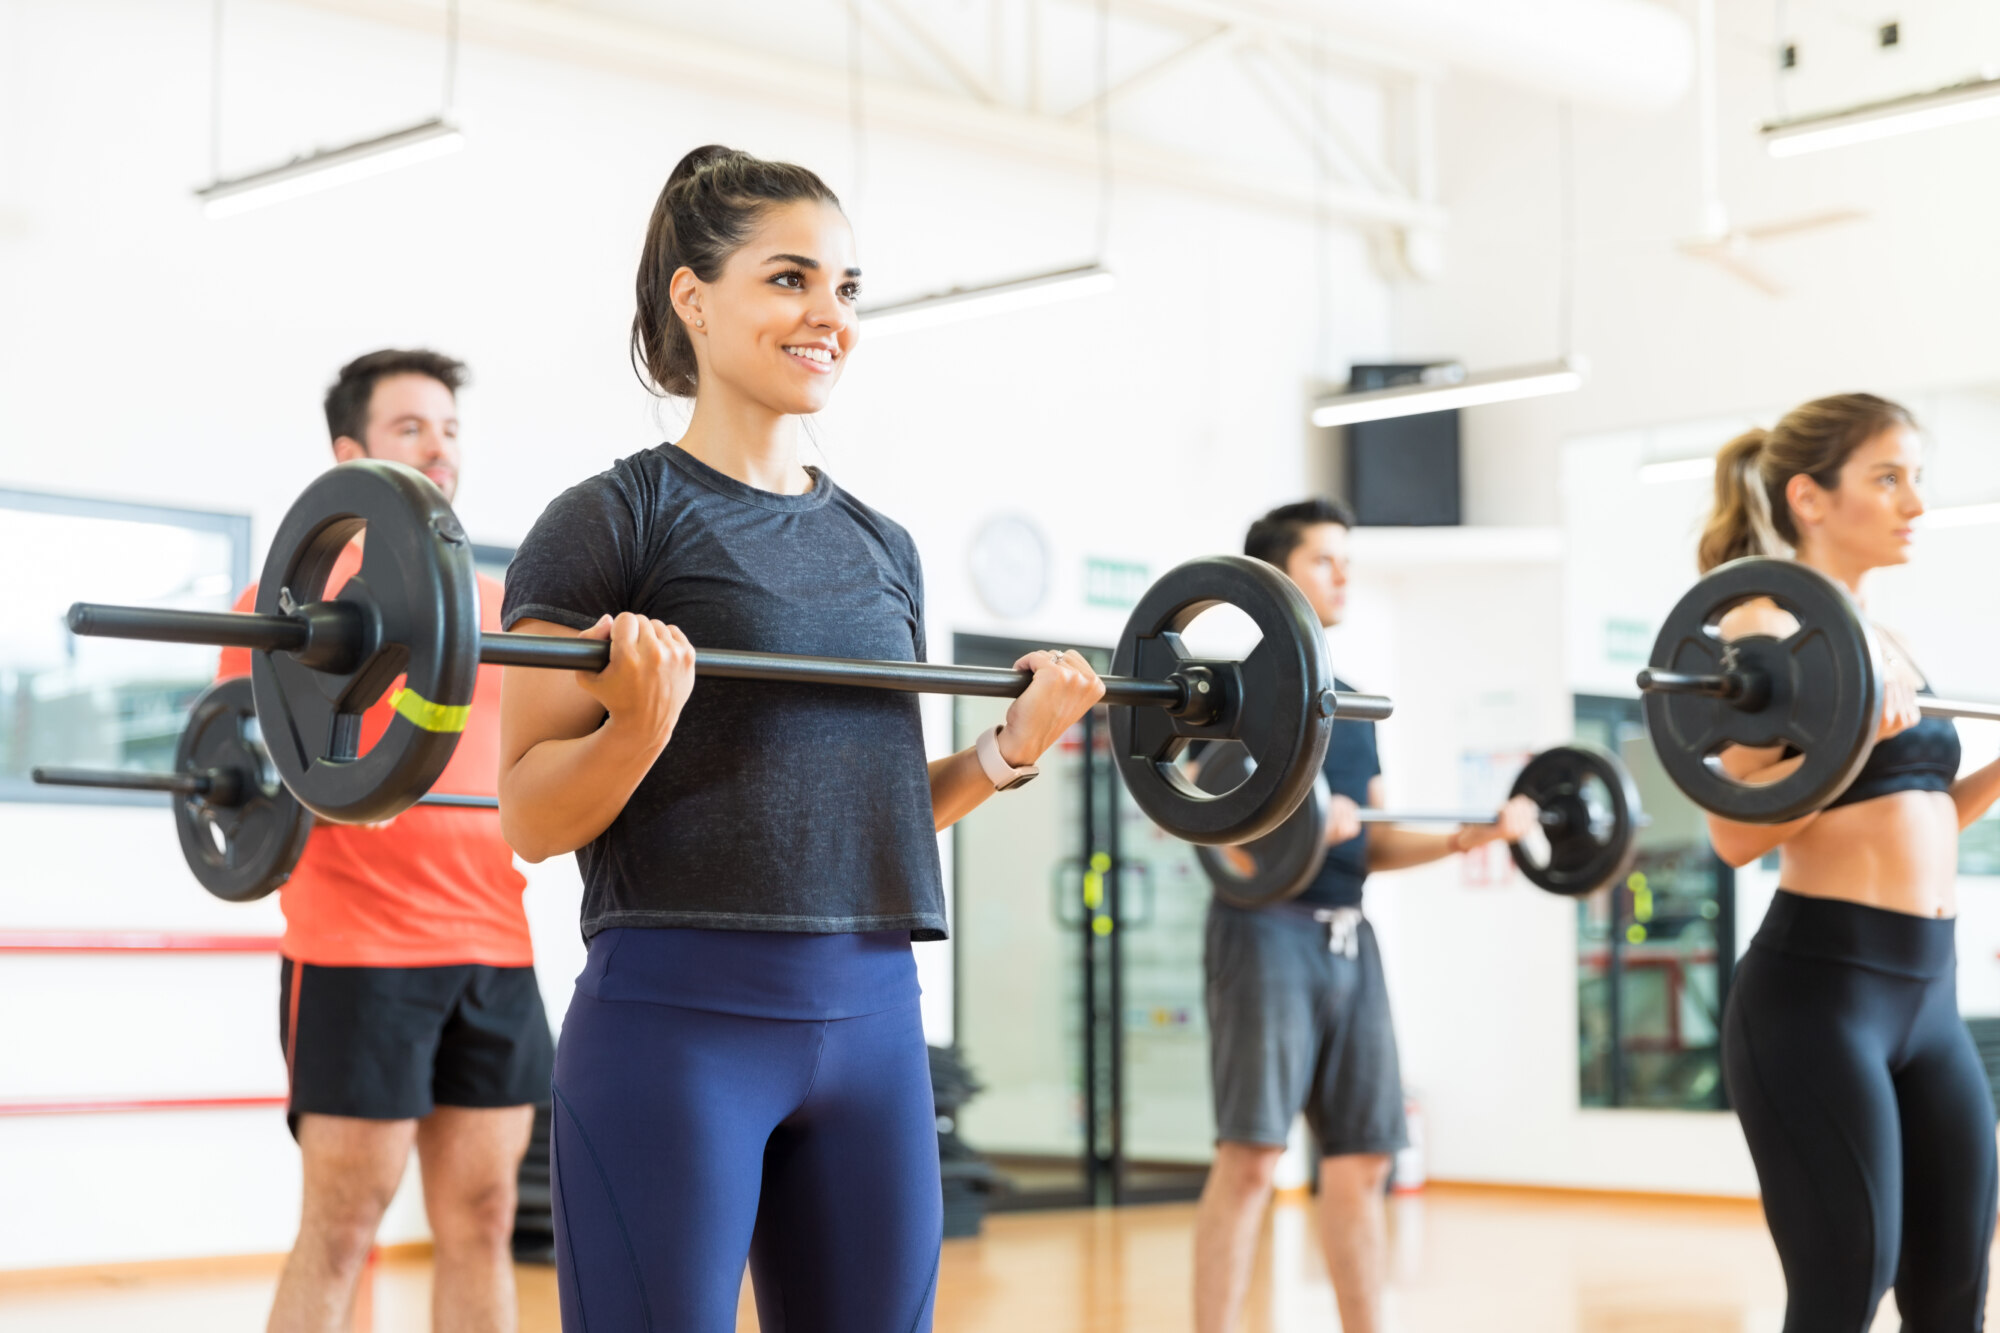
(775, 806)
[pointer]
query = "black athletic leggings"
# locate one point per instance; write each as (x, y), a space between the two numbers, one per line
(1868, 1115)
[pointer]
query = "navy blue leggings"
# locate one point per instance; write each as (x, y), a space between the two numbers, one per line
(1868, 1115)
(686, 1141)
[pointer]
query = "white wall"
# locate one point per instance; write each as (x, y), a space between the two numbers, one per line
(146, 353)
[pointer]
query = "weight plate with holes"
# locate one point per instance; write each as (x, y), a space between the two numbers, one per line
(1590, 820)
(1278, 701)
(412, 610)
(1821, 691)
(1277, 866)
(242, 838)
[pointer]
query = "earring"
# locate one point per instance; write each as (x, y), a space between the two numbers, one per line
(701, 324)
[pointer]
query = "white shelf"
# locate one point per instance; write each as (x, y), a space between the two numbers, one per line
(1417, 548)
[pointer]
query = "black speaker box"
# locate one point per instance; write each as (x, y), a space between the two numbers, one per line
(1402, 472)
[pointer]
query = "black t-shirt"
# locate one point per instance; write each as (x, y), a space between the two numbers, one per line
(775, 806)
(1350, 762)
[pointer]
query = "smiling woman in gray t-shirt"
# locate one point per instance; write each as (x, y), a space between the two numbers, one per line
(742, 1073)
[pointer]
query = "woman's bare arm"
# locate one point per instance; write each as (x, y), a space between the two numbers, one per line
(574, 745)
(1975, 793)
(1063, 690)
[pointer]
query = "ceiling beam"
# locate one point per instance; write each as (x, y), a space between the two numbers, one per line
(1220, 37)
(938, 50)
(581, 36)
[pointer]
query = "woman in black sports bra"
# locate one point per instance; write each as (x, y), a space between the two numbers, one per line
(1864, 1103)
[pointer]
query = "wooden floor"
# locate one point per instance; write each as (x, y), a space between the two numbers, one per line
(1462, 1259)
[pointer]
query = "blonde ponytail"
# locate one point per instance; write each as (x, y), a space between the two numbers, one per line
(1741, 521)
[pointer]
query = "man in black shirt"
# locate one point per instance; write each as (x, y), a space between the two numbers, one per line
(1298, 1013)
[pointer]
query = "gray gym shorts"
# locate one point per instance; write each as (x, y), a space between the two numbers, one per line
(1297, 1026)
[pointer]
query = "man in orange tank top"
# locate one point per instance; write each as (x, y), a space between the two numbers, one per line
(408, 1010)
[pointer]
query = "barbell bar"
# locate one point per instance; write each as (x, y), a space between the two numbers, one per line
(1369, 815)
(215, 785)
(1586, 802)
(412, 610)
(241, 831)
(1739, 684)
(1183, 694)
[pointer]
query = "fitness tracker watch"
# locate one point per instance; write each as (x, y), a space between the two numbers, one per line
(1004, 775)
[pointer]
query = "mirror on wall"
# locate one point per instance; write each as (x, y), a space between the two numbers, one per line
(103, 703)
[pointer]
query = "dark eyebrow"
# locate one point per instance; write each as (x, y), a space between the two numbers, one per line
(804, 262)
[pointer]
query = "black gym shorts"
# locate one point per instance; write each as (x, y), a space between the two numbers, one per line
(392, 1043)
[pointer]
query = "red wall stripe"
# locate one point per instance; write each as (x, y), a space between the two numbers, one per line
(121, 941)
(110, 1105)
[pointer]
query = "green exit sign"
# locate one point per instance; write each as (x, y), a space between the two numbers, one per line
(1627, 641)
(1114, 583)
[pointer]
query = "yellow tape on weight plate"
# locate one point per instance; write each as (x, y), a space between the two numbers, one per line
(430, 716)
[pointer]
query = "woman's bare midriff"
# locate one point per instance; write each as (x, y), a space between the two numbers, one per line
(1897, 852)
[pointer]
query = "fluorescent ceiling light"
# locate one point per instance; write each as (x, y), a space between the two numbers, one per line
(1973, 100)
(974, 302)
(1960, 516)
(330, 167)
(1446, 392)
(1679, 469)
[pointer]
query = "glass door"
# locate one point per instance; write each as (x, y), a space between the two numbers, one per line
(1078, 936)
(1023, 1025)
(1157, 1098)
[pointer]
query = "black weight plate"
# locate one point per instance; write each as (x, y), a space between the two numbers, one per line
(1594, 835)
(1271, 701)
(242, 844)
(1824, 695)
(417, 604)
(1277, 866)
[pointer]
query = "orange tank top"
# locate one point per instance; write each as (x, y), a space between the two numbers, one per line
(431, 887)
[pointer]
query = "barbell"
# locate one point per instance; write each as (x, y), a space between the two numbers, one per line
(1589, 818)
(1817, 690)
(241, 830)
(412, 611)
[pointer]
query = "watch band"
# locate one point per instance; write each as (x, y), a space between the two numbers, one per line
(1003, 775)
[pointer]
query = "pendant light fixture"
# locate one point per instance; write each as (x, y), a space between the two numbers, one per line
(326, 168)
(1443, 388)
(1036, 289)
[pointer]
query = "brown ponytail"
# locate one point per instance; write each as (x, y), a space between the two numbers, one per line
(1751, 515)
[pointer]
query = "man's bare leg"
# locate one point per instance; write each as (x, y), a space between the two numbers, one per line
(352, 1167)
(1226, 1224)
(471, 1160)
(1354, 1233)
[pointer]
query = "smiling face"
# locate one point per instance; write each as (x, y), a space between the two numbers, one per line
(777, 324)
(1866, 520)
(1318, 564)
(412, 419)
